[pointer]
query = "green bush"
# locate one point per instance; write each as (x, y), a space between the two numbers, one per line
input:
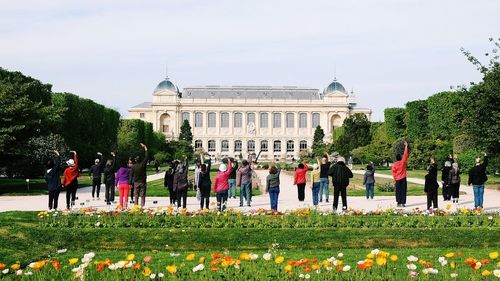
(386, 187)
(417, 126)
(395, 122)
(466, 160)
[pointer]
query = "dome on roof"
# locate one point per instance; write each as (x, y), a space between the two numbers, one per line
(166, 85)
(334, 86)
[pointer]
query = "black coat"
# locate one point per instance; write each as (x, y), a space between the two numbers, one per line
(109, 172)
(477, 175)
(431, 184)
(340, 174)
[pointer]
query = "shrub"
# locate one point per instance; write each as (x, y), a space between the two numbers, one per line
(386, 187)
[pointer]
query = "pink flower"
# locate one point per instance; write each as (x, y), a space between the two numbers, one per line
(147, 259)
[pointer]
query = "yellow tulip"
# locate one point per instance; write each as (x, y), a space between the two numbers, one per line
(493, 255)
(147, 271)
(15, 266)
(485, 273)
(370, 256)
(73, 260)
(449, 255)
(172, 269)
(130, 257)
(381, 261)
(190, 257)
(279, 259)
(288, 268)
(394, 258)
(453, 264)
(201, 260)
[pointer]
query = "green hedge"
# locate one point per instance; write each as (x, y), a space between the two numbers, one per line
(395, 122)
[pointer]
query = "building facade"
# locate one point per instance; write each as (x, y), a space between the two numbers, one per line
(277, 122)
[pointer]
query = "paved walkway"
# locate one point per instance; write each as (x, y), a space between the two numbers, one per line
(287, 199)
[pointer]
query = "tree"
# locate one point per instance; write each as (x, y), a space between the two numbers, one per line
(395, 120)
(379, 150)
(318, 145)
(186, 133)
(417, 125)
(356, 133)
(446, 112)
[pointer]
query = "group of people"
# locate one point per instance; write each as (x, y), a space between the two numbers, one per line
(130, 175)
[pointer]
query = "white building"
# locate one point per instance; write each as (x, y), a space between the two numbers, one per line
(279, 122)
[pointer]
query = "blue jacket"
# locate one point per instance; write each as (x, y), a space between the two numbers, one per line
(52, 176)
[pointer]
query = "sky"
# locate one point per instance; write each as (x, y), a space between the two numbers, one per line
(115, 52)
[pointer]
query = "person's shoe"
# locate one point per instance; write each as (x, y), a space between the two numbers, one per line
(403, 205)
(241, 205)
(327, 201)
(321, 201)
(98, 199)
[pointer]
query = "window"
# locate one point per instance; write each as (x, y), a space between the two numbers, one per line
(211, 146)
(198, 119)
(303, 120)
(237, 146)
(263, 146)
(277, 146)
(238, 120)
(277, 120)
(303, 145)
(165, 128)
(185, 116)
(211, 120)
(225, 145)
(290, 146)
(142, 115)
(289, 120)
(198, 144)
(251, 146)
(251, 118)
(224, 120)
(315, 120)
(264, 120)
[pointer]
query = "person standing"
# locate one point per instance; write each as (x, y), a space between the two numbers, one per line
(244, 181)
(157, 166)
(299, 179)
(273, 185)
(455, 182)
(53, 180)
(340, 174)
(232, 180)
(109, 180)
(315, 183)
(95, 172)
(197, 169)
(181, 183)
(139, 177)
(324, 182)
(131, 163)
(350, 162)
(69, 180)
(122, 183)
(399, 176)
(221, 184)
(204, 183)
(369, 181)
(431, 185)
(169, 182)
(445, 178)
(477, 177)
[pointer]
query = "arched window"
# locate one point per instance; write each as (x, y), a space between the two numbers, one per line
(290, 146)
(315, 120)
(238, 120)
(335, 122)
(211, 119)
(264, 120)
(237, 146)
(277, 146)
(264, 146)
(289, 120)
(211, 146)
(224, 146)
(303, 120)
(185, 116)
(277, 120)
(303, 145)
(198, 144)
(251, 146)
(198, 119)
(251, 118)
(224, 120)
(165, 125)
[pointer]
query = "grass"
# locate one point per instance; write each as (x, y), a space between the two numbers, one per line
(18, 187)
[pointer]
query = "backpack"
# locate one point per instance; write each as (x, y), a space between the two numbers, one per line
(455, 177)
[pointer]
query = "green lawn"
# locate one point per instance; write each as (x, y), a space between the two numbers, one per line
(16, 187)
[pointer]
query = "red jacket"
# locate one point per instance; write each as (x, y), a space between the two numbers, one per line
(399, 167)
(220, 181)
(300, 175)
(71, 173)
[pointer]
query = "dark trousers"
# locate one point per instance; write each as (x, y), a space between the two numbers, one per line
(53, 198)
(110, 192)
(342, 191)
(205, 198)
(401, 189)
(221, 200)
(172, 195)
(274, 193)
(245, 190)
(71, 193)
(140, 191)
(446, 192)
(181, 195)
(301, 190)
(432, 199)
(454, 189)
(96, 183)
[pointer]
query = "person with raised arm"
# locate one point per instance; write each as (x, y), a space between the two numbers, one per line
(168, 181)
(109, 179)
(69, 180)
(340, 174)
(52, 178)
(204, 183)
(431, 185)
(181, 183)
(273, 185)
(477, 177)
(315, 182)
(399, 176)
(299, 179)
(95, 174)
(323, 177)
(244, 181)
(122, 183)
(139, 176)
(221, 185)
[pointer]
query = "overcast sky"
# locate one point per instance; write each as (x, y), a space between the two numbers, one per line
(115, 52)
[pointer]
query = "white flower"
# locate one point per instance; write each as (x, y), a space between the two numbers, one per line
(329, 268)
(411, 266)
(113, 266)
(31, 265)
(307, 276)
(160, 275)
(98, 224)
(496, 272)
(453, 275)
(237, 266)
(490, 217)
(129, 264)
(62, 251)
(433, 271)
(174, 254)
(318, 271)
(375, 252)
(301, 275)
(340, 255)
(5, 271)
(19, 272)
(152, 276)
(90, 255)
(86, 260)
(76, 269)
(254, 257)
(412, 258)
(267, 256)
(346, 268)
(28, 273)
(331, 259)
(199, 267)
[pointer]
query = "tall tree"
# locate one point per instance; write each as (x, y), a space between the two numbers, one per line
(186, 133)
(356, 133)
(395, 120)
(318, 144)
